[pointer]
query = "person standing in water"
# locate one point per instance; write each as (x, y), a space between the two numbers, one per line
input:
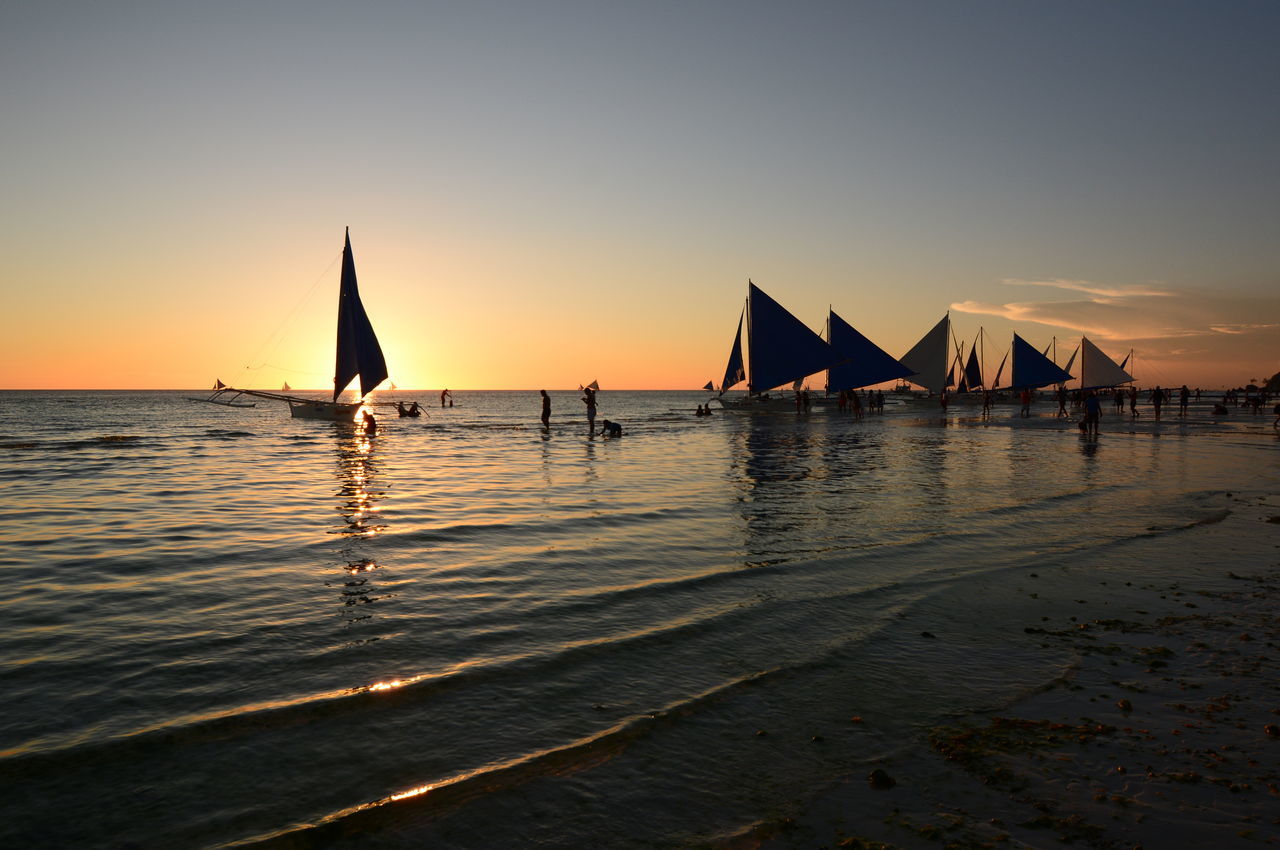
(589, 399)
(1092, 412)
(546, 409)
(370, 424)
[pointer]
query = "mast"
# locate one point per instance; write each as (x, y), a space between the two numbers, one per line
(751, 349)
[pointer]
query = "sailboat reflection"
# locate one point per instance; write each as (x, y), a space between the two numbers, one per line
(358, 495)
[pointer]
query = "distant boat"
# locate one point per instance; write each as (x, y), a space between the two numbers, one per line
(358, 354)
(286, 388)
(780, 350)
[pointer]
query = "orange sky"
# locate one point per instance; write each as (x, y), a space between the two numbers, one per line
(539, 198)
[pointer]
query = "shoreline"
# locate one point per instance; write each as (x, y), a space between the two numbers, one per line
(1164, 730)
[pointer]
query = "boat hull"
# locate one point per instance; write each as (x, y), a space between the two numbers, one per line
(324, 410)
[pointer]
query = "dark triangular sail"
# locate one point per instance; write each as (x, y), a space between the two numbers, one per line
(782, 349)
(358, 349)
(735, 373)
(1000, 371)
(866, 362)
(1032, 369)
(972, 370)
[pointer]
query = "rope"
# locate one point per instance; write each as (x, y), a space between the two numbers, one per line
(276, 337)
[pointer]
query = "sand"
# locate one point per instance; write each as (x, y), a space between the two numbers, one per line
(1163, 732)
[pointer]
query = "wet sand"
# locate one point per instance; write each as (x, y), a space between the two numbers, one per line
(1163, 731)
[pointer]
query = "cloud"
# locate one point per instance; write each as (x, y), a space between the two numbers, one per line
(1240, 328)
(1127, 313)
(1192, 335)
(1090, 288)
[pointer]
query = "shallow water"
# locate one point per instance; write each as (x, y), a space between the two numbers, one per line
(225, 624)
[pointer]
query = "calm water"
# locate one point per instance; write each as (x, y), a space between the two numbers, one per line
(225, 625)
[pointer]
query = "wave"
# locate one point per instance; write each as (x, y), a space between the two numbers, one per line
(451, 793)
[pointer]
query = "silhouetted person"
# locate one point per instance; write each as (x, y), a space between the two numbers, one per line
(1184, 396)
(589, 399)
(546, 409)
(445, 394)
(1092, 413)
(610, 429)
(370, 425)
(1026, 402)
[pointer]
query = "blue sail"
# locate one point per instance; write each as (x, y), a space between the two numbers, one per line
(358, 349)
(1032, 369)
(734, 374)
(866, 362)
(972, 370)
(782, 349)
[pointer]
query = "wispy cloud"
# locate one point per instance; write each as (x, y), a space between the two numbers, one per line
(1124, 312)
(1091, 288)
(1241, 327)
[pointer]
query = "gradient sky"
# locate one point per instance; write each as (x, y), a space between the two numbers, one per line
(545, 193)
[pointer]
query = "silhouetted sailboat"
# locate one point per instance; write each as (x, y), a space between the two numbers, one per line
(866, 363)
(931, 359)
(358, 354)
(1031, 369)
(780, 350)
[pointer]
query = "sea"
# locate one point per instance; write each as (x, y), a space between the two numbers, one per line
(224, 626)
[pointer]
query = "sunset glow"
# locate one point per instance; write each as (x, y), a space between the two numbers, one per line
(539, 196)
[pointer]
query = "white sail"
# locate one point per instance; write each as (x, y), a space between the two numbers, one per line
(930, 357)
(1097, 369)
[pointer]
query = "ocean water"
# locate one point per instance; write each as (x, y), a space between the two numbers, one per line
(225, 626)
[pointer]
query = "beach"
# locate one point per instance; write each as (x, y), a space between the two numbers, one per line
(1161, 731)
(228, 627)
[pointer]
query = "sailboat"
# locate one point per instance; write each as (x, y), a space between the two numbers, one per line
(1031, 369)
(866, 363)
(358, 354)
(1097, 369)
(971, 378)
(780, 350)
